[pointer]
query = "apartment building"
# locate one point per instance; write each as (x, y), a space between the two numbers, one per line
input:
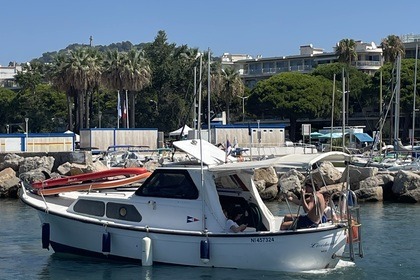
(369, 60)
(7, 76)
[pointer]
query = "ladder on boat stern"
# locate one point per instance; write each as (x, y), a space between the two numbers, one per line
(350, 211)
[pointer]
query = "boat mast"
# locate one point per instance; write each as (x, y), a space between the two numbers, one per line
(332, 113)
(201, 143)
(397, 104)
(414, 101)
(208, 99)
(344, 110)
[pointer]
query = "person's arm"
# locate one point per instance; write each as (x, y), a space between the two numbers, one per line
(238, 228)
(306, 204)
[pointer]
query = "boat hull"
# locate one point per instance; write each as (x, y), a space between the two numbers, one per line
(281, 251)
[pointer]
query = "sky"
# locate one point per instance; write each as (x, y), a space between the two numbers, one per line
(268, 28)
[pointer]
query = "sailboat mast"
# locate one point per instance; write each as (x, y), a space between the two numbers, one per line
(414, 100)
(397, 104)
(332, 113)
(344, 110)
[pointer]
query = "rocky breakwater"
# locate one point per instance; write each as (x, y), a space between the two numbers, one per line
(14, 168)
(368, 183)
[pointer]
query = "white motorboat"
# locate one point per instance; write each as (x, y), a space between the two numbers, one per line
(176, 217)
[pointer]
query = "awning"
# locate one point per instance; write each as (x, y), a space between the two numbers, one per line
(315, 135)
(363, 137)
(184, 130)
(335, 135)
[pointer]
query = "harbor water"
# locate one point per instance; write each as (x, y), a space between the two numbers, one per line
(391, 234)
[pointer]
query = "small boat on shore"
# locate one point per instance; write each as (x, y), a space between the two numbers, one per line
(177, 217)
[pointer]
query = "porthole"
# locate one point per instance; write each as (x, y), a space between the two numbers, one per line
(123, 212)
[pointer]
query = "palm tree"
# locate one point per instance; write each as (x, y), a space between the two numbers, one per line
(77, 72)
(56, 74)
(346, 51)
(113, 71)
(93, 77)
(391, 47)
(137, 75)
(127, 71)
(231, 85)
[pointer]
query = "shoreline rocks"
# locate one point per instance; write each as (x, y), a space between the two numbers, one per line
(368, 183)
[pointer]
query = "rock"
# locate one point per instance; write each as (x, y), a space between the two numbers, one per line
(291, 181)
(151, 165)
(358, 174)
(333, 188)
(64, 169)
(7, 174)
(370, 194)
(326, 174)
(270, 192)
(260, 185)
(36, 175)
(11, 160)
(407, 187)
(411, 196)
(9, 183)
(32, 163)
(405, 181)
(267, 174)
(9, 187)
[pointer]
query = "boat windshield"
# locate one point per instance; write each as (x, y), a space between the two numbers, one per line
(169, 184)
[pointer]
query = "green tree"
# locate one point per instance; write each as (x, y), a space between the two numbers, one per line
(7, 110)
(358, 81)
(44, 108)
(292, 95)
(406, 92)
(171, 84)
(30, 76)
(391, 47)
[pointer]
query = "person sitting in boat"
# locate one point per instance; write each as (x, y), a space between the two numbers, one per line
(329, 212)
(232, 220)
(313, 207)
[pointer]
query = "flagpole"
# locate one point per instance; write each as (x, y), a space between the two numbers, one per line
(118, 109)
(126, 108)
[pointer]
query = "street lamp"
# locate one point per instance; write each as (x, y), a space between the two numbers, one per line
(26, 131)
(243, 106)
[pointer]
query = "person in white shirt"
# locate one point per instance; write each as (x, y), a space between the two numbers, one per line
(232, 219)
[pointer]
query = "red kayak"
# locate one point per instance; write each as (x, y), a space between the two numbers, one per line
(109, 184)
(88, 177)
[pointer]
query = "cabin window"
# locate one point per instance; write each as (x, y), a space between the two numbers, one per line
(121, 211)
(169, 184)
(90, 207)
